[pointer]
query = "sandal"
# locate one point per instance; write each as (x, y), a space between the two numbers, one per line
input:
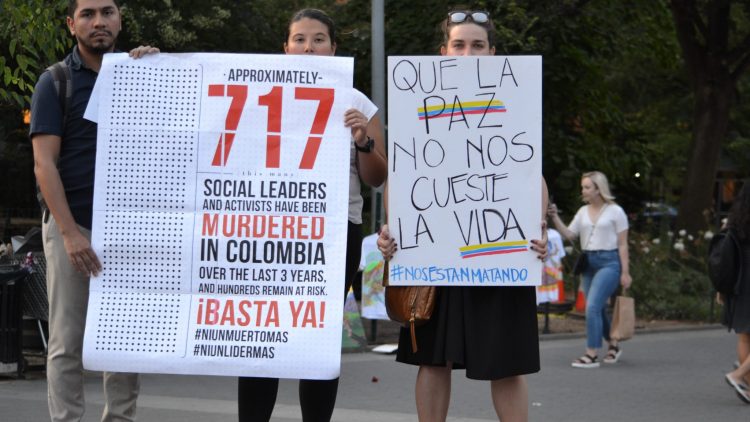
(613, 354)
(585, 361)
(739, 387)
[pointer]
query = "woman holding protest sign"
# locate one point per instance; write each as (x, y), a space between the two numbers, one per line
(491, 332)
(311, 31)
(603, 228)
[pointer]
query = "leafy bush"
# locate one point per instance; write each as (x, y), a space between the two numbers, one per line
(32, 36)
(669, 275)
(670, 280)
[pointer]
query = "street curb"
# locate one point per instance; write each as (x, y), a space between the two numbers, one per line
(638, 331)
(582, 334)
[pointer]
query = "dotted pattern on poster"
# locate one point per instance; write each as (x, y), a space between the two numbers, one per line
(121, 328)
(151, 147)
(154, 241)
(148, 96)
(149, 169)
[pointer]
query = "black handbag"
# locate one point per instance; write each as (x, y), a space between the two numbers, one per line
(580, 265)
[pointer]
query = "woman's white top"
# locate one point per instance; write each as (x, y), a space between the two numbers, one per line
(360, 102)
(611, 222)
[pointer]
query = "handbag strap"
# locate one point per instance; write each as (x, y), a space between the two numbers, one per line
(588, 241)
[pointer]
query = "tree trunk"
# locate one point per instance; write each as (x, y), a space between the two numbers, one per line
(713, 99)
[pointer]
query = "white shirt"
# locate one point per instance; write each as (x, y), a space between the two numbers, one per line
(555, 249)
(611, 222)
(360, 102)
(370, 251)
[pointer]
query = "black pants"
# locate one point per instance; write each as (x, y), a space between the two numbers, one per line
(256, 397)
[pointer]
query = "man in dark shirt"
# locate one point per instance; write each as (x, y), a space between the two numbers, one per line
(64, 160)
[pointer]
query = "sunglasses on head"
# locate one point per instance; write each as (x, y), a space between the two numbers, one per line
(462, 16)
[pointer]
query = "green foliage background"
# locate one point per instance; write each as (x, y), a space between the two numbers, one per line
(616, 96)
(670, 270)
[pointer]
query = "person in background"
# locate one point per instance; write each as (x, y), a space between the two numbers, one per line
(602, 227)
(553, 270)
(491, 332)
(737, 307)
(311, 31)
(64, 146)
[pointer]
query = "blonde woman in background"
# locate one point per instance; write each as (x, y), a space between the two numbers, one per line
(602, 227)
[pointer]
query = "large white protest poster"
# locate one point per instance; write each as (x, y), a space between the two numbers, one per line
(465, 165)
(220, 215)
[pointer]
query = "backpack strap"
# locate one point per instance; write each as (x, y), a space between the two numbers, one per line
(63, 83)
(740, 270)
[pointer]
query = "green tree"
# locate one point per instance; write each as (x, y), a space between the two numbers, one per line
(616, 95)
(32, 36)
(593, 59)
(715, 39)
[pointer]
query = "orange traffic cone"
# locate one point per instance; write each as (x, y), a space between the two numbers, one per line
(560, 292)
(580, 300)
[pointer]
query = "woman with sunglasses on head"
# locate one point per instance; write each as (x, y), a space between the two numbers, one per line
(491, 332)
(603, 229)
(311, 31)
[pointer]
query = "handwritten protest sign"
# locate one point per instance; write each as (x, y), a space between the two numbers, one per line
(220, 215)
(465, 159)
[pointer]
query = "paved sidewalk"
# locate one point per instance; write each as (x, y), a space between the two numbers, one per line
(673, 375)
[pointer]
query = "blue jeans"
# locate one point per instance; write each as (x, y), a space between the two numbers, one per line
(600, 281)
